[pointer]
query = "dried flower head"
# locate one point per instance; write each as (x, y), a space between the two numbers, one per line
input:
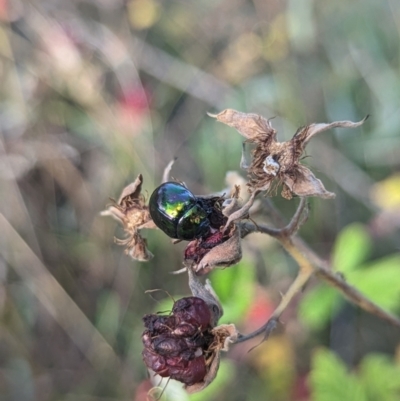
(279, 162)
(175, 345)
(185, 345)
(132, 212)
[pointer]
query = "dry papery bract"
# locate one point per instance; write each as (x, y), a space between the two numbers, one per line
(276, 162)
(132, 212)
(224, 335)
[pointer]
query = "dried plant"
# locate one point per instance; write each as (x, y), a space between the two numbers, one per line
(185, 345)
(132, 212)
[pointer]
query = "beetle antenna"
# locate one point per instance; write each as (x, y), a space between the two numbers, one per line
(159, 289)
(154, 389)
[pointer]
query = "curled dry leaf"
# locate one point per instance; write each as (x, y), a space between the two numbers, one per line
(279, 162)
(132, 212)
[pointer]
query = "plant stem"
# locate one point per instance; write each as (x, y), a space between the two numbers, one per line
(309, 263)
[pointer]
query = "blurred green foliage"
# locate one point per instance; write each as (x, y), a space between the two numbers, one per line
(379, 280)
(95, 92)
(377, 378)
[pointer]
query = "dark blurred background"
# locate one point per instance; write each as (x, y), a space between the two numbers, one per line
(94, 92)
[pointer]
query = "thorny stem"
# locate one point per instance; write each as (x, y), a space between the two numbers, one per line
(305, 272)
(309, 264)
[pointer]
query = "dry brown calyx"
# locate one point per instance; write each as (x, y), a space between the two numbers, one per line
(132, 212)
(276, 162)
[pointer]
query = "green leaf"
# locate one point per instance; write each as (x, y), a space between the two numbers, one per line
(330, 380)
(235, 289)
(380, 377)
(379, 281)
(223, 281)
(318, 305)
(351, 248)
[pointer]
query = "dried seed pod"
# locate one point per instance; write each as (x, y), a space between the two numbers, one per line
(175, 345)
(132, 212)
(186, 345)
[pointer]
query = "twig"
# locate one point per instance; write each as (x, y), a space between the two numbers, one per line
(355, 296)
(298, 219)
(306, 270)
(309, 264)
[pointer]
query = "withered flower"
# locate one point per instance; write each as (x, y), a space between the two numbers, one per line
(185, 345)
(132, 212)
(279, 162)
(175, 345)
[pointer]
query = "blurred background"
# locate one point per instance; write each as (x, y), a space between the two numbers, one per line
(94, 92)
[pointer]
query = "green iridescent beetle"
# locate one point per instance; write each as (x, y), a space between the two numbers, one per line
(177, 212)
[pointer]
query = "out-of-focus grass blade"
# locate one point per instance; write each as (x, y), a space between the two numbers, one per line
(53, 297)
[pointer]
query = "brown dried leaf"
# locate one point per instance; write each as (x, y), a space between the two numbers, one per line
(304, 134)
(251, 126)
(304, 183)
(132, 190)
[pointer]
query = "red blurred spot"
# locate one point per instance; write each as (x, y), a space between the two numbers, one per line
(260, 311)
(301, 391)
(135, 99)
(143, 390)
